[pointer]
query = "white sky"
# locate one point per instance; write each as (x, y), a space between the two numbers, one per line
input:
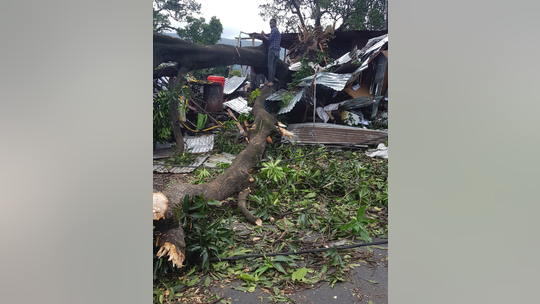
(235, 16)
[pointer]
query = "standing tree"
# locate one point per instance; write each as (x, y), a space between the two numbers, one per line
(348, 14)
(178, 10)
(197, 31)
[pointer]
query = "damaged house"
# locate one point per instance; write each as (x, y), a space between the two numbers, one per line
(350, 91)
(344, 93)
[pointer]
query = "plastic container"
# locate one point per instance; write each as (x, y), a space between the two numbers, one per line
(217, 79)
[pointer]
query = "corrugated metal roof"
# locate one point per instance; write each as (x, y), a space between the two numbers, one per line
(199, 144)
(162, 167)
(362, 101)
(232, 84)
(348, 57)
(276, 96)
(219, 158)
(240, 105)
(331, 80)
(322, 133)
(375, 44)
(292, 103)
(295, 66)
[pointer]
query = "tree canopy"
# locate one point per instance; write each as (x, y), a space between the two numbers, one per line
(178, 10)
(348, 14)
(197, 31)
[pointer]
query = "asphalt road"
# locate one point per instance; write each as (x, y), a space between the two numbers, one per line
(368, 284)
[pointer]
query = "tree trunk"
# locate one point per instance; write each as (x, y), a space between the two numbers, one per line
(196, 56)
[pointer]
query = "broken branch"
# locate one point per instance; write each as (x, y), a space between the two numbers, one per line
(242, 197)
(237, 124)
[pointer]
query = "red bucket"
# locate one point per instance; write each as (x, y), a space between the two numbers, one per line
(217, 79)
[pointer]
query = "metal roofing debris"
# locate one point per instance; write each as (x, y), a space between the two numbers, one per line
(219, 158)
(359, 102)
(232, 84)
(199, 144)
(331, 80)
(361, 67)
(239, 105)
(206, 160)
(381, 151)
(162, 167)
(348, 57)
(355, 103)
(276, 96)
(295, 66)
(292, 103)
(375, 44)
(322, 133)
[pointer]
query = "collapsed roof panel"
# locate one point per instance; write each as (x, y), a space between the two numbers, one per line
(334, 81)
(239, 105)
(276, 96)
(362, 101)
(375, 44)
(292, 103)
(232, 84)
(322, 133)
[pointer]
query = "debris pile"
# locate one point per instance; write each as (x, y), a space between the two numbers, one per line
(349, 91)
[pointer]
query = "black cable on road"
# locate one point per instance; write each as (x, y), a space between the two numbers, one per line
(247, 256)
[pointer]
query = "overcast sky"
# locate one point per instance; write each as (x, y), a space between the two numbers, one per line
(235, 16)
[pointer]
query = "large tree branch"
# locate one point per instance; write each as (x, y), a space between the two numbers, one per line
(200, 56)
(235, 179)
(298, 13)
(164, 27)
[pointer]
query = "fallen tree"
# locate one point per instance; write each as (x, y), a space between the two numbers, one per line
(237, 178)
(197, 56)
(189, 56)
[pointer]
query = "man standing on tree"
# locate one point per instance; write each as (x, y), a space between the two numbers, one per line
(273, 50)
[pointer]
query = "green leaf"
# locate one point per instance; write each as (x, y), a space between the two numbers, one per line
(207, 281)
(311, 195)
(361, 212)
(178, 287)
(261, 270)
(214, 203)
(299, 274)
(366, 237)
(282, 258)
(279, 267)
(198, 215)
(193, 282)
(246, 277)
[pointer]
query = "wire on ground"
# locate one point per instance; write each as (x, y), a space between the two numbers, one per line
(247, 256)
